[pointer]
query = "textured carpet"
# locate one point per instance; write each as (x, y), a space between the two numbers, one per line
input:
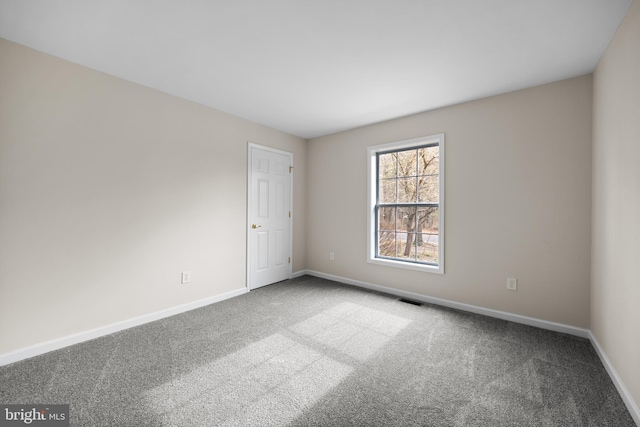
(311, 352)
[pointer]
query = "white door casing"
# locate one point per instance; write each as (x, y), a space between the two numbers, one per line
(269, 216)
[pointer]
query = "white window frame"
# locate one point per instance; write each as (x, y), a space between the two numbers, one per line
(372, 181)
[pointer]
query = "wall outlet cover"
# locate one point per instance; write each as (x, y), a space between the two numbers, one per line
(185, 277)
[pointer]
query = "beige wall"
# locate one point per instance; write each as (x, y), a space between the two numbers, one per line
(615, 288)
(108, 190)
(518, 202)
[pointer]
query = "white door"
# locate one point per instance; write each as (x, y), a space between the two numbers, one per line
(269, 226)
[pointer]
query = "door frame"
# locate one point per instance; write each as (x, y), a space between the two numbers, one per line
(250, 146)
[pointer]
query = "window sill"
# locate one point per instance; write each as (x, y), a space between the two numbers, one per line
(437, 269)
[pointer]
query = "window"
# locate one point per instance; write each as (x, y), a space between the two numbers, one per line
(406, 204)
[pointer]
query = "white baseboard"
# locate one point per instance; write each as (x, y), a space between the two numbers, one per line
(299, 274)
(632, 406)
(531, 321)
(59, 343)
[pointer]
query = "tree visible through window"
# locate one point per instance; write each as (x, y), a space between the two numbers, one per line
(407, 202)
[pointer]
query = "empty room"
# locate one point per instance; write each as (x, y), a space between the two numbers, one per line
(320, 213)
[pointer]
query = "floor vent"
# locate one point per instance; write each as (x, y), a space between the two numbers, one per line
(408, 301)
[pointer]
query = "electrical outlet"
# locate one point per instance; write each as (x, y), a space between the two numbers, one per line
(512, 284)
(186, 277)
(332, 256)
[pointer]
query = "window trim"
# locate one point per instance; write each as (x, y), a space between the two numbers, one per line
(372, 192)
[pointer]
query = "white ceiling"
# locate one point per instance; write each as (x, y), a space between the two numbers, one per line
(312, 68)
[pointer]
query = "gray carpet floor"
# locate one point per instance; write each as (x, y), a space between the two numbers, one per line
(311, 352)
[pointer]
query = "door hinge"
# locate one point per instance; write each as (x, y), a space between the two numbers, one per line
(290, 169)
(289, 214)
(289, 260)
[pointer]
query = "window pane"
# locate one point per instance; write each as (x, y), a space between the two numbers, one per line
(428, 161)
(428, 190)
(428, 248)
(428, 235)
(387, 165)
(387, 244)
(407, 190)
(387, 191)
(406, 219)
(387, 218)
(406, 246)
(428, 220)
(407, 163)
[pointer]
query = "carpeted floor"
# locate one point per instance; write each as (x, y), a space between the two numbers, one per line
(311, 352)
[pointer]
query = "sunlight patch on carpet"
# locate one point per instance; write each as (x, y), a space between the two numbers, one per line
(269, 382)
(356, 330)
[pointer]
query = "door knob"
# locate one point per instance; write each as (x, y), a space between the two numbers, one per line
(255, 226)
